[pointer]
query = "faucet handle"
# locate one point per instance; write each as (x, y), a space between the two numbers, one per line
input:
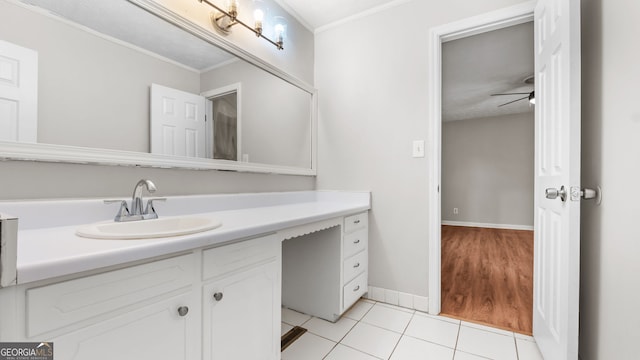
(123, 212)
(150, 211)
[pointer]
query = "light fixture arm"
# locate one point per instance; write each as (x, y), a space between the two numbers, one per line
(234, 20)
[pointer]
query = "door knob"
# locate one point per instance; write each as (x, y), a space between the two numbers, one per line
(578, 194)
(183, 310)
(552, 193)
(218, 296)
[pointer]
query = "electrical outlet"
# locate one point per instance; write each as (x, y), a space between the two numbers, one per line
(455, 211)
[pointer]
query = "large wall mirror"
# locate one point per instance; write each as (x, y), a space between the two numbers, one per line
(131, 83)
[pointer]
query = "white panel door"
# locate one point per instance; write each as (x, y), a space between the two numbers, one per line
(18, 93)
(177, 122)
(557, 165)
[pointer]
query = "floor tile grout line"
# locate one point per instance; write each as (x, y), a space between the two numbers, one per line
(358, 350)
(476, 355)
(345, 335)
(401, 335)
(429, 341)
(455, 348)
(337, 342)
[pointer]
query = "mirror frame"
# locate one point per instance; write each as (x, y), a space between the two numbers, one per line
(84, 155)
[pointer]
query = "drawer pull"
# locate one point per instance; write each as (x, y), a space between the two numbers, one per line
(356, 265)
(183, 310)
(357, 241)
(218, 296)
(357, 222)
(357, 288)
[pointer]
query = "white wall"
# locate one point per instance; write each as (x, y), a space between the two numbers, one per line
(487, 170)
(610, 244)
(371, 74)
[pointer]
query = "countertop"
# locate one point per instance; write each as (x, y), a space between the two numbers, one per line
(46, 251)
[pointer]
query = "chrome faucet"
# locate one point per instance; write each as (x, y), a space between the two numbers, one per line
(136, 198)
(137, 213)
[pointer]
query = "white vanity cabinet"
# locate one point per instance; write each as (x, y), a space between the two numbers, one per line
(355, 256)
(216, 303)
(325, 271)
(241, 301)
(140, 312)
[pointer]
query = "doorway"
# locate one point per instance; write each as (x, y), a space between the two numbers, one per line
(500, 19)
(224, 130)
(557, 164)
(487, 178)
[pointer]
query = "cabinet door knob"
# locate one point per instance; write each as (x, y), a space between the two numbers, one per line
(357, 222)
(356, 265)
(183, 310)
(218, 296)
(357, 241)
(357, 288)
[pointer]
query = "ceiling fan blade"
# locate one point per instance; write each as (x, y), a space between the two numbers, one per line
(527, 93)
(511, 102)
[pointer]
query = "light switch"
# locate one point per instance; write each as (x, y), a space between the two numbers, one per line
(418, 148)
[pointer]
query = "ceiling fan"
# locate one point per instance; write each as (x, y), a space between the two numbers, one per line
(529, 80)
(530, 96)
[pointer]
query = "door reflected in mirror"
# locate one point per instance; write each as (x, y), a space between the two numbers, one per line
(224, 117)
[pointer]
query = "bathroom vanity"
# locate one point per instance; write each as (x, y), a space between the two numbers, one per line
(216, 294)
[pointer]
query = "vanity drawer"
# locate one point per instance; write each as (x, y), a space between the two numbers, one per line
(354, 290)
(225, 259)
(55, 306)
(355, 222)
(354, 242)
(354, 266)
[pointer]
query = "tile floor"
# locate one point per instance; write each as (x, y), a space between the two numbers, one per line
(371, 330)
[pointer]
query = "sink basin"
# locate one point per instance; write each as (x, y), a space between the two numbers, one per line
(145, 229)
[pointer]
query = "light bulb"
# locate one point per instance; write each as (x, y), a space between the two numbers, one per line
(258, 15)
(232, 8)
(279, 32)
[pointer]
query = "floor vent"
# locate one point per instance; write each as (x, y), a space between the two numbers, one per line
(291, 336)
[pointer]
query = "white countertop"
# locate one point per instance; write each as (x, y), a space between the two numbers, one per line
(46, 251)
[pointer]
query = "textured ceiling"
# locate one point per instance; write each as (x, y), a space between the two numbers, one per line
(475, 67)
(124, 21)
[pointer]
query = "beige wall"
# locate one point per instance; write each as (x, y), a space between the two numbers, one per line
(610, 243)
(373, 94)
(487, 170)
(28, 180)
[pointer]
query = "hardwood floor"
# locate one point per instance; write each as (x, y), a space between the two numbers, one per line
(487, 276)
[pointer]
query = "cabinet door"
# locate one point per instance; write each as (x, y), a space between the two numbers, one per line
(155, 331)
(241, 314)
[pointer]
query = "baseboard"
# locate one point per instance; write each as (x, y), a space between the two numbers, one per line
(490, 226)
(397, 298)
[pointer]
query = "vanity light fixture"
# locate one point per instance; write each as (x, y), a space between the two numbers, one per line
(223, 20)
